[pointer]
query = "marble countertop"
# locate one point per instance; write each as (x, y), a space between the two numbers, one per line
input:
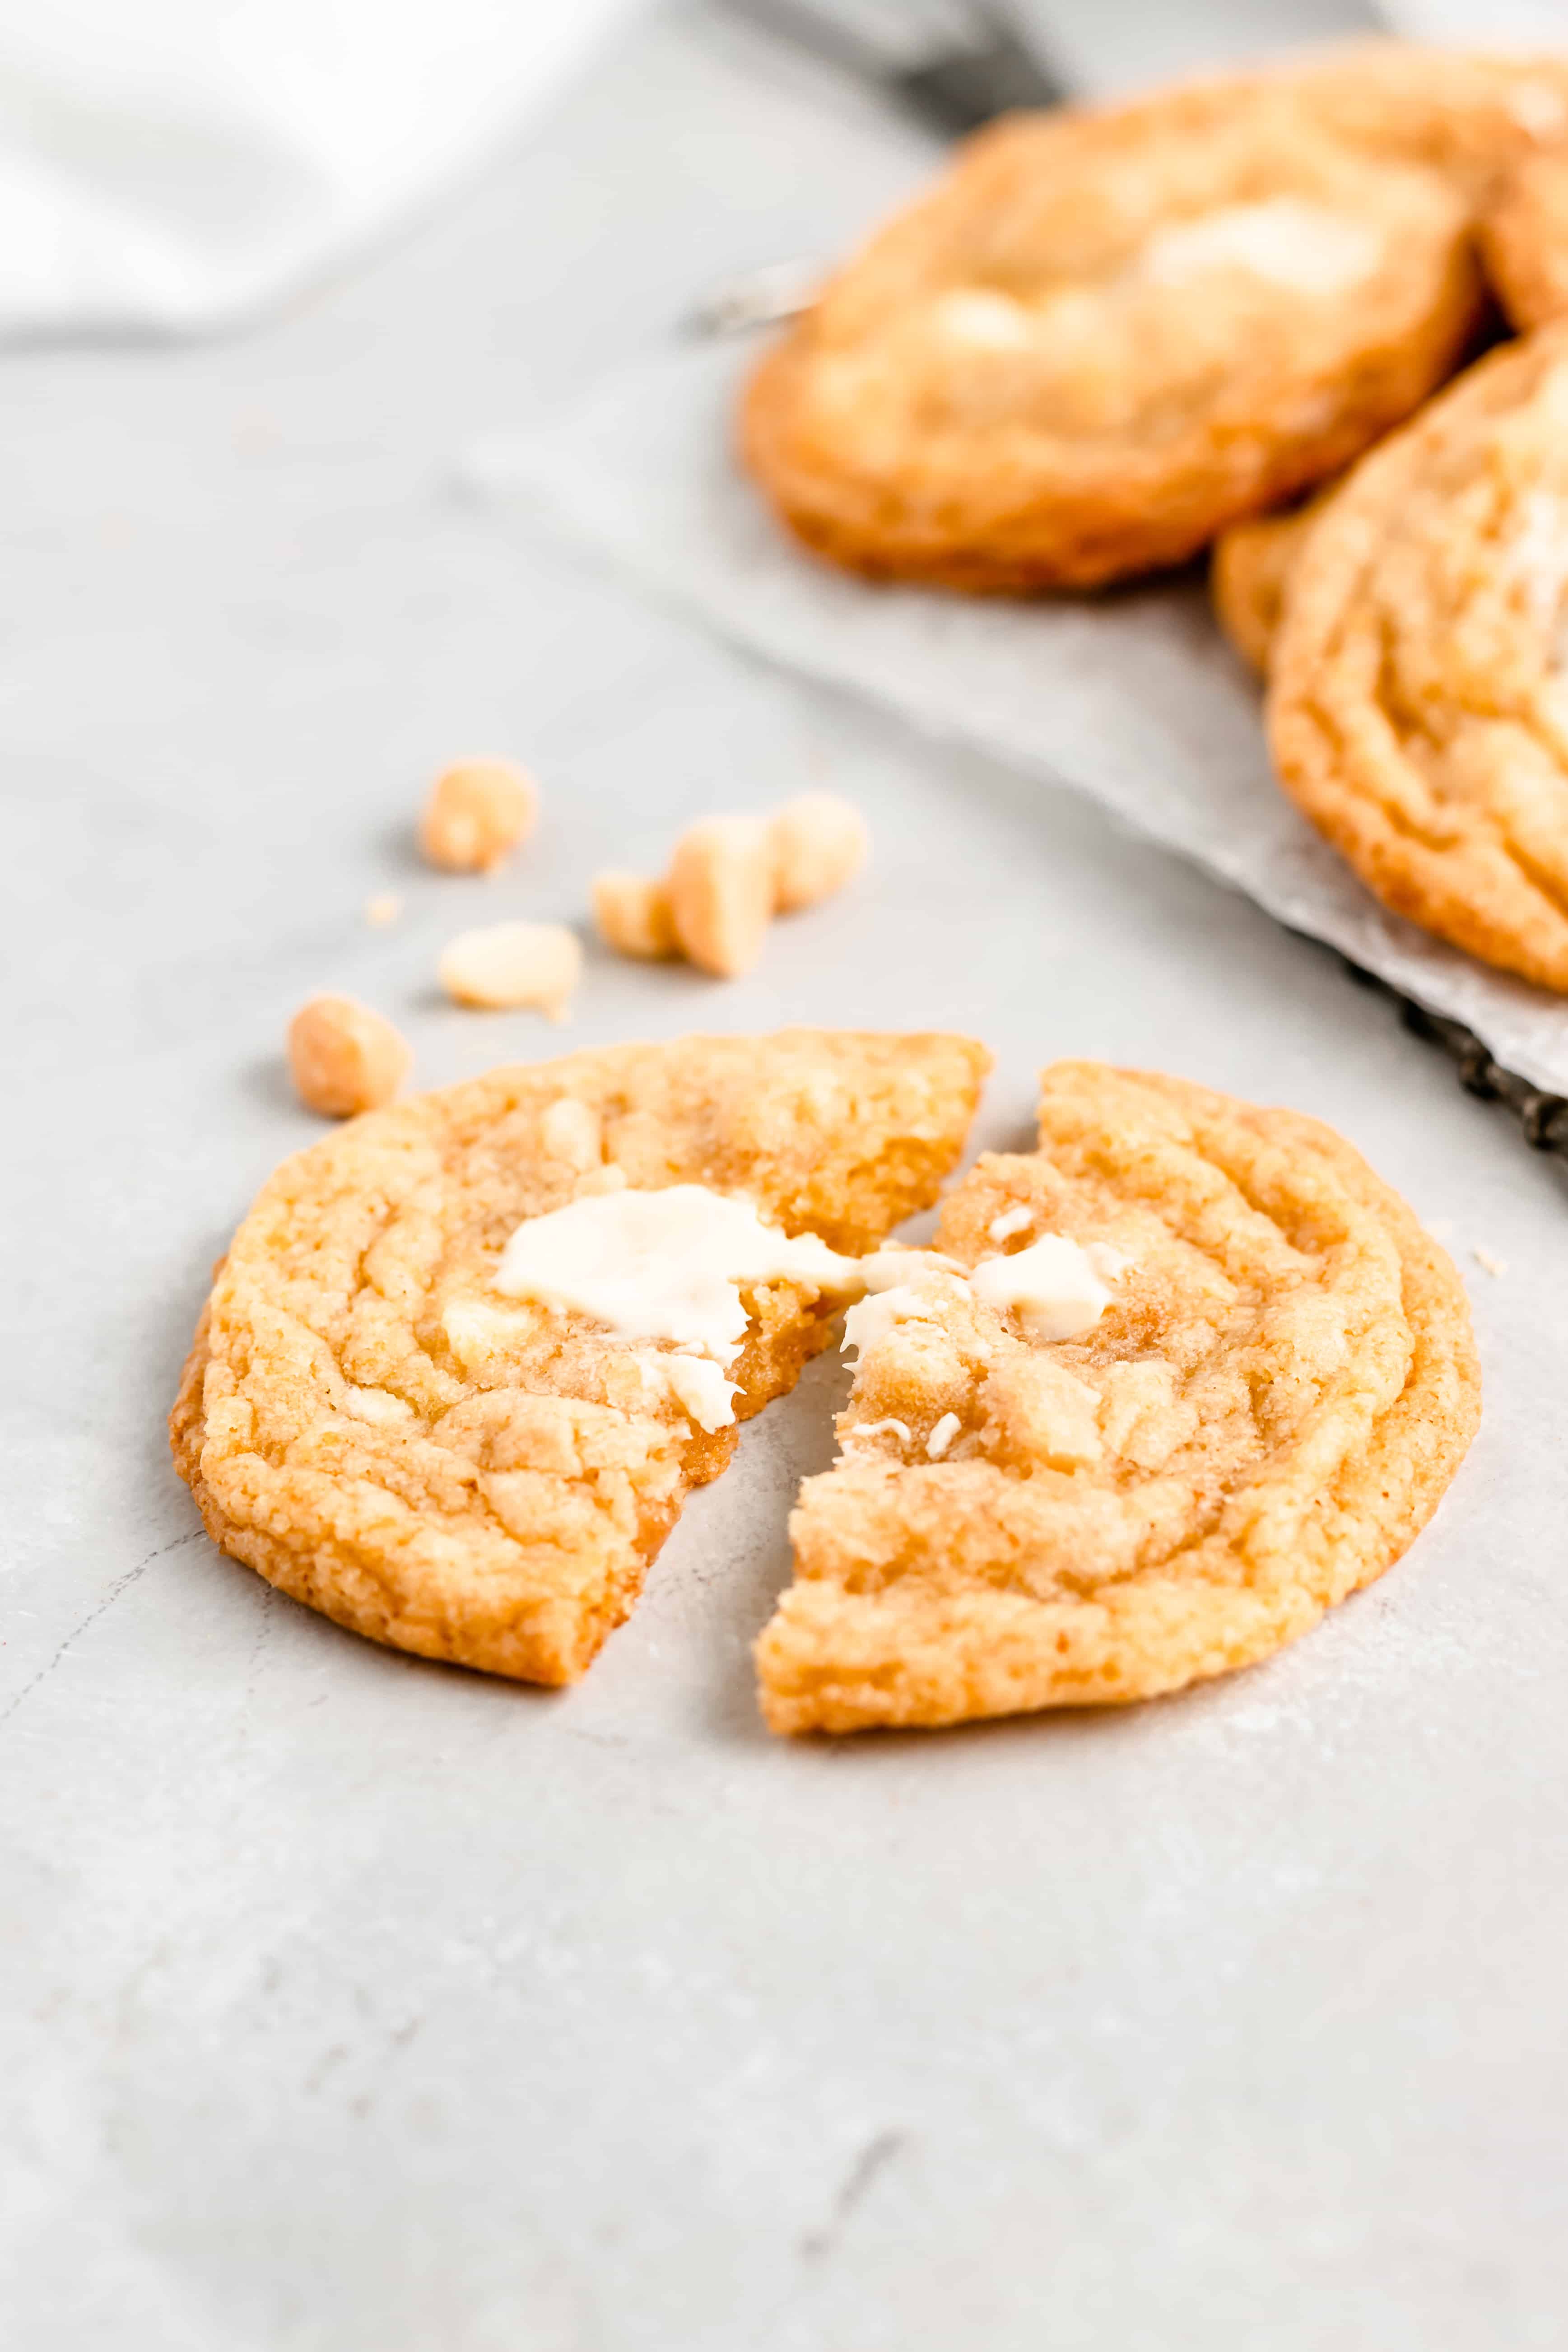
(354, 2003)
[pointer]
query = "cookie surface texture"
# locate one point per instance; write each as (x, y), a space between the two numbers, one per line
(364, 1421)
(1524, 242)
(1418, 706)
(1262, 1419)
(1108, 334)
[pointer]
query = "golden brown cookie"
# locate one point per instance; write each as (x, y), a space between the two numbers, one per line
(476, 1477)
(1418, 706)
(1524, 242)
(1108, 334)
(1262, 1419)
(1247, 574)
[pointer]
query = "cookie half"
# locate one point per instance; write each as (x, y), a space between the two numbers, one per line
(1418, 707)
(1277, 1385)
(368, 1421)
(1108, 334)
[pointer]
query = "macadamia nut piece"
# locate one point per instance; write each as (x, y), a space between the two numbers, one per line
(635, 917)
(721, 893)
(345, 1057)
(818, 842)
(510, 964)
(476, 814)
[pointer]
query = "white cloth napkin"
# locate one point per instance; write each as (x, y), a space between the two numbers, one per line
(1132, 699)
(174, 165)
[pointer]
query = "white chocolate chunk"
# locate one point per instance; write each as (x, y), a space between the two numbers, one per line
(985, 319)
(699, 1385)
(666, 1265)
(378, 1406)
(476, 1331)
(942, 1436)
(899, 1429)
(1010, 1222)
(1051, 1287)
(869, 1322)
(890, 1268)
(1303, 247)
(571, 1130)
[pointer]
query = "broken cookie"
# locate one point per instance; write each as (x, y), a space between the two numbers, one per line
(466, 1357)
(1168, 1389)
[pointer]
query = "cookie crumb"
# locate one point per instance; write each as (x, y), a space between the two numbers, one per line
(507, 965)
(1489, 1263)
(384, 908)
(476, 814)
(345, 1058)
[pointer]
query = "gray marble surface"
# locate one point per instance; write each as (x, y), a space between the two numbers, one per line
(350, 2004)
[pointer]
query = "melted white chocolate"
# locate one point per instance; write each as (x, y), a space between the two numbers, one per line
(701, 1388)
(667, 1266)
(1052, 1287)
(664, 1266)
(1303, 247)
(670, 1266)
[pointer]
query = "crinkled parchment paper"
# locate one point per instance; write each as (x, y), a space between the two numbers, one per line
(1133, 698)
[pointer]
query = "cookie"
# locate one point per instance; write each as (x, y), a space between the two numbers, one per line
(1524, 242)
(1108, 334)
(1418, 706)
(1254, 1419)
(1247, 573)
(464, 1471)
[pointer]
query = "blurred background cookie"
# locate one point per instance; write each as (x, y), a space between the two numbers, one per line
(1107, 335)
(1524, 241)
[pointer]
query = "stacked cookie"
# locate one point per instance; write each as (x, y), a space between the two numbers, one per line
(1111, 338)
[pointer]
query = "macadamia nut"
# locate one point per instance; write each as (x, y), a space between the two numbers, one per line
(345, 1057)
(476, 814)
(818, 842)
(721, 893)
(510, 964)
(635, 917)
(729, 877)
